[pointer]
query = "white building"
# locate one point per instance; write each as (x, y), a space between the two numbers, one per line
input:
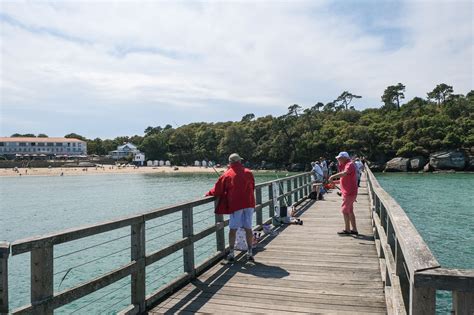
(139, 158)
(27, 147)
(128, 149)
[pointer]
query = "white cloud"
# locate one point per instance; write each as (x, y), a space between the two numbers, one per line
(165, 57)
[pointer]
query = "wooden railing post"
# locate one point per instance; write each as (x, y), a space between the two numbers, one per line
(288, 189)
(188, 251)
(220, 235)
(42, 276)
(295, 185)
(139, 274)
(422, 300)
(300, 180)
(258, 199)
(272, 204)
(463, 302)
(281, 192)
(4, 254)
(305, 180)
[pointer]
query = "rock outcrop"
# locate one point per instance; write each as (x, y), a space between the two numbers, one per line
(398, 164)
(448, 160)
(417, 163)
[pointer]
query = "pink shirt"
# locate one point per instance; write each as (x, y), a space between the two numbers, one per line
(349, 182)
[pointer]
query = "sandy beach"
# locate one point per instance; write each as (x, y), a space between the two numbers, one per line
(107, 169)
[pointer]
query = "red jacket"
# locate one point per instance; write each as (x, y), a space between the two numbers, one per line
(235, 190)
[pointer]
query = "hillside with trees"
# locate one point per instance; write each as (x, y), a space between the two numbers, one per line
(441, 121)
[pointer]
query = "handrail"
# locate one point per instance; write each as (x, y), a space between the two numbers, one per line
(409, 269)
(43, 298)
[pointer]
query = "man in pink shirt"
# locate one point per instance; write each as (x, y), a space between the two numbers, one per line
(348, 175)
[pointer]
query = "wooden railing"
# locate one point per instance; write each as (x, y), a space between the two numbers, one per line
(44, 300)
(409, 270)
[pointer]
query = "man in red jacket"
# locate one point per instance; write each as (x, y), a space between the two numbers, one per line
(235, 190)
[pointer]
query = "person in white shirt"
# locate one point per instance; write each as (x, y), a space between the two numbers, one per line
(317, 177)
(360, 168)
(324, 167)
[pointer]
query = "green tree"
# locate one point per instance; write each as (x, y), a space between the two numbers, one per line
(440, 93)
(75, 136)
(248, 117)
(392, 95)
(345, 99)
(17, 135)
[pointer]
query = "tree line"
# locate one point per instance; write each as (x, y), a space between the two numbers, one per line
(441, 121)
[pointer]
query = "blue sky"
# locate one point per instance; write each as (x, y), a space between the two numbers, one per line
(112, 68)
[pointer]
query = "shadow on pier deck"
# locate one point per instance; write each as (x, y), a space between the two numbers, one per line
(304, 269)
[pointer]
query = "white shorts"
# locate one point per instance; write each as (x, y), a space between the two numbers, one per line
(241, 218)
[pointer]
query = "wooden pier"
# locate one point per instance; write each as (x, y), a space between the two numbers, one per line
(304, 269)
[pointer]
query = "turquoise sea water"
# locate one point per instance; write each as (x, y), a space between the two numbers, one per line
(33, 205)
(441, 206)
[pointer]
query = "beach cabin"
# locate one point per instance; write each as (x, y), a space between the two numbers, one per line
(168, 163)
(149, 163)
(196, 163)
(155, 163)
(162, 162)
(204, 163)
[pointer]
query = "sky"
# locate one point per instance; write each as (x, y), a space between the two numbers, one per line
(112, 68)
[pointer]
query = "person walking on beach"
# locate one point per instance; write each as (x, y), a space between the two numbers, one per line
(348, 175)
(235, 190)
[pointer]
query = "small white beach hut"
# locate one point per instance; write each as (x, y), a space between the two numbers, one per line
(162, 162)
(155, 163)
(196, 163)
(149, 163)
(168, 163)
(204, 163)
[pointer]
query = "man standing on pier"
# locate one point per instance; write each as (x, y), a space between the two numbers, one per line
(348, 175)
(235, 190)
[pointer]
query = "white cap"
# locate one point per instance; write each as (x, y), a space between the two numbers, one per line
(343, 154)
(234, 157)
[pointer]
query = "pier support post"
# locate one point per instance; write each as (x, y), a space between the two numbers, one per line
(220, 235)
(139, 274)
(42, 277)
(188, 251)
(4, 254)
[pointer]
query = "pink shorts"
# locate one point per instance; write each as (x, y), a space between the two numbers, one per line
(348, 204)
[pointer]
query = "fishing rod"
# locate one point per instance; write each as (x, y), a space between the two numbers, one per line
(281, 187)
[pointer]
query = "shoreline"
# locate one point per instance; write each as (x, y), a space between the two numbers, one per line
(109, 170)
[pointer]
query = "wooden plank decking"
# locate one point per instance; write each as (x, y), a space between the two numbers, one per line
(304, 269)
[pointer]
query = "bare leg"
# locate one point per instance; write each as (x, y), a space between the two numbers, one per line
(232, 234)
(347, 222)
(249, 236)
(353, 221)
